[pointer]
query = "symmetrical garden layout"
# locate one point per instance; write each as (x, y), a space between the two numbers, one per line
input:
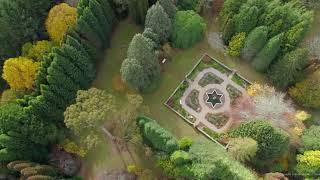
(205, 97)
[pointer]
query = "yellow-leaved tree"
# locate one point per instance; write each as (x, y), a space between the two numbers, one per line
(20, 72)
(60, 18)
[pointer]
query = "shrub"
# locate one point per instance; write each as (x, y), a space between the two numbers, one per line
(243, 149)
(20, 73)
(180, 157)
(311, 139)
(272, 142)
(60, 18)
(188, 29)
(185, 143)
(309, 163)
(10, 95)
(236, 44)
(38, 50)
(159, 138)
(307, 92)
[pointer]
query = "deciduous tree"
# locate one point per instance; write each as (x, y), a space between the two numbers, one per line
(20, 73)
(184, 23)
(37, 50)
(86, 116)
(60, 18)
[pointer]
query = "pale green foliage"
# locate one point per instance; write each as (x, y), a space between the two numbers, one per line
(86, 116)
(180, 157)
(158, 20)
(236, 44)
(311, 139)
(243, 149)
(211, 161)
(185, 143)
(169, 7)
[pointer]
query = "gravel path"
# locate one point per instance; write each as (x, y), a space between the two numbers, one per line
(200, 116)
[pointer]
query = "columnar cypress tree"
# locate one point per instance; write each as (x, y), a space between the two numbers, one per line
(247, 19)
(158, 20)
(138, 10)
(254, 42)
(265, 57)
(169, 7)
(289, 69)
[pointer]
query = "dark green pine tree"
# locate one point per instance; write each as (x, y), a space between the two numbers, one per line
(73, 39)
(288, 70)
(138, 10)
(247, 19)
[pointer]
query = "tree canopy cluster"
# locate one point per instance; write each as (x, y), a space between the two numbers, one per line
(36, 120)
(21, 21)
(274, 29)
(191, 159)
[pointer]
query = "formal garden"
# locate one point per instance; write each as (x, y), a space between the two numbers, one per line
(159, 89)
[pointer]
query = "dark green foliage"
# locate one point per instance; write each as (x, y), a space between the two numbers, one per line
(210, 161)
(296, 34)
(141, 68)
(247, 19)
(311, 139)
(289, 69)
(158, 20)
(94, 22)
(188, 29)
(159, 138)
(169, 7)
(272, 142)
(230, 8)
(228, 30)
(37, 121)
(265, 57)
(184, 5)
(21, 21)
(138, 10)
(255, 41)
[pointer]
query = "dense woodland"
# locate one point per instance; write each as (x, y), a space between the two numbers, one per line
(51, 117)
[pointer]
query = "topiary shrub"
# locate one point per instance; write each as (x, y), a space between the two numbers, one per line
(185, 143)
(188, 29)
(180, 157)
